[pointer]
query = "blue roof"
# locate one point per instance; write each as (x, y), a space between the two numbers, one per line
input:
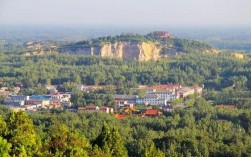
(41, 97)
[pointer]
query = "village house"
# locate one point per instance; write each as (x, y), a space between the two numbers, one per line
(93, 108)
(123, 104)
(37, 102)
(90, 108)
(127, 98)
(106, 109)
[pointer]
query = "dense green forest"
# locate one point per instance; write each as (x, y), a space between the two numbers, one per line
(199, 130)
(215, 71)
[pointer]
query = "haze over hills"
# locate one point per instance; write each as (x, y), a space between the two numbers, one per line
(229, 38)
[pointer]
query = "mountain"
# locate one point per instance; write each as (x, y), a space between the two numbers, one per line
(152, 46)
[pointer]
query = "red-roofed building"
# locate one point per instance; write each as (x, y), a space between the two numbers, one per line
(171, 87)
(151, 113)
(92, 107)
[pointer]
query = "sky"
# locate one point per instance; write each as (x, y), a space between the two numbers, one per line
(127, 12)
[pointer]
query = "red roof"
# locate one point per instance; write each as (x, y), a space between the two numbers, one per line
(152, 112)
(103, 108)
(121, 116)
(35, 100)
(167, 87)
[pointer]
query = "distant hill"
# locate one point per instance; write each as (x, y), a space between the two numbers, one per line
(152, 46)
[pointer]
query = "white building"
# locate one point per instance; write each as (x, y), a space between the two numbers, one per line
(169, 95)
(151, 99)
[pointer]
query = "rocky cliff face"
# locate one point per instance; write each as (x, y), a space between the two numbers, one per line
(144, 51)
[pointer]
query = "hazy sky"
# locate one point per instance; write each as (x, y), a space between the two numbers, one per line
(127, 12)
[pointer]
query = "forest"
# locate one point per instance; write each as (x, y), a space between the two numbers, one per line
(215, 71)
(199, 130)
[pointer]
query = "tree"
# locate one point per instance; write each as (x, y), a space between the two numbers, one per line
(111, 142)
(5, 147)
(97, 152)
(3, 127)
(77, 98)
(21, 134)
(152, 151)
(245, 121)
(63, 142)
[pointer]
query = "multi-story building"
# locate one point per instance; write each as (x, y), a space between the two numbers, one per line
(151, 99)
(169, 95)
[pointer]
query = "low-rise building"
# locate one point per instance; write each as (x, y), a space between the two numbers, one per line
(106, 109)
(128, 98)
(186, 91)
(38, 102)
(16, 100)
(151, 113)
(17, 103)
(90, 108)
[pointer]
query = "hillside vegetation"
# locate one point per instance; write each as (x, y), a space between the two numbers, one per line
(133, 46)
